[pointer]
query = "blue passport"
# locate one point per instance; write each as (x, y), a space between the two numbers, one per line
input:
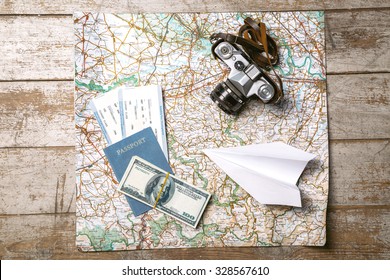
(143, 144)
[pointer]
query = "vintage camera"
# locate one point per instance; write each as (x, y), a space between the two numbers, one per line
(245, 80)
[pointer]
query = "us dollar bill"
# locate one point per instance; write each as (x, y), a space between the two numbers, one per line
(147, 183)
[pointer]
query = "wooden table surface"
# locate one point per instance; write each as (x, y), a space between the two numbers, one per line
(37, 134)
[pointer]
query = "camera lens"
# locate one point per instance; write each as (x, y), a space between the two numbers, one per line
(227, 98)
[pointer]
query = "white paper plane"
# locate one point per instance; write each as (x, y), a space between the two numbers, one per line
(268, 172)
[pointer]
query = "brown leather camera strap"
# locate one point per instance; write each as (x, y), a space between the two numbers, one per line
(255, 41)
(257, 33)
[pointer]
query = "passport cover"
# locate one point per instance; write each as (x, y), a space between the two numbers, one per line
(143, 144)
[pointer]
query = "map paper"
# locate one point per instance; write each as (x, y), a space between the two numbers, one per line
(173, 50)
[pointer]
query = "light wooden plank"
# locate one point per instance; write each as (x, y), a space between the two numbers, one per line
(35, 114)
(37, 180)
(42, 180)
(353, 233)
(41, 48)
(40, 113)
(359, 173)
(358, 41)
(134, 6)
(36, 48)
(359, 106)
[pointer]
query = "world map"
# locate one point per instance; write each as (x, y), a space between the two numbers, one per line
(174, 51)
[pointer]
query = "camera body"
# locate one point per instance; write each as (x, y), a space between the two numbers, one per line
(245, 80)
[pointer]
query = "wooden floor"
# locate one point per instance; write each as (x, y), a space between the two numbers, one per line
(37, 135)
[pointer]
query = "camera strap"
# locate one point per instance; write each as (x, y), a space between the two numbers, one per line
(255, 41)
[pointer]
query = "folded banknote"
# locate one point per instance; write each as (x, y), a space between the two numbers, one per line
(151, 185)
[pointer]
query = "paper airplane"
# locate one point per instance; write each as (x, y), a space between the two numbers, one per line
(268, 172)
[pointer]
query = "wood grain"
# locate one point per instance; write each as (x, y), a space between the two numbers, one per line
(37, 180)
(353, 233)
(37, 114)
(36, 48)
(359, 106)
(41, 48)
(40, 113)
(359, 172)
(155, 6)
(358, 41)
(37, 219)
(42, 180)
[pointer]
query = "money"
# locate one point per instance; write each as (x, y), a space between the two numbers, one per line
(151, 185)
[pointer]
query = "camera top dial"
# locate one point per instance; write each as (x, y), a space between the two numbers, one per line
(225, 50)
